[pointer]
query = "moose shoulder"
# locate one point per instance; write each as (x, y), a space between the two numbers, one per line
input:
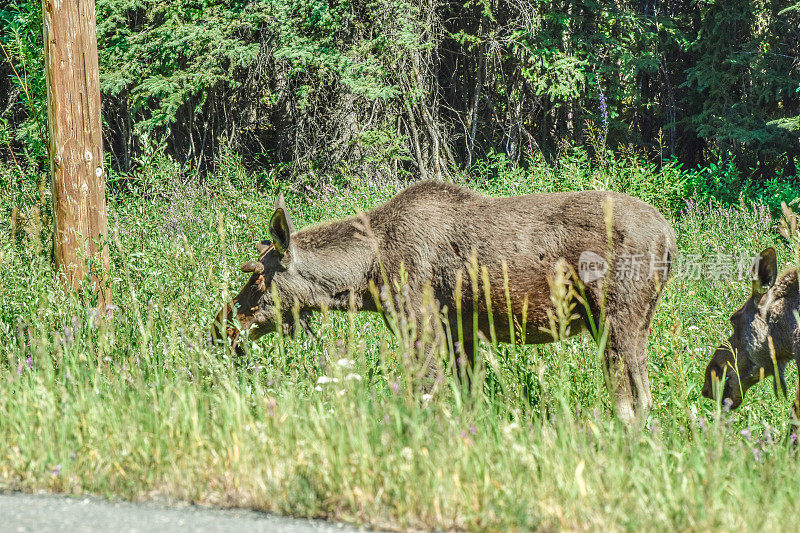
(444, 238)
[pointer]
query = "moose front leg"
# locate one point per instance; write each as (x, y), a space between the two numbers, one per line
(465, 362)
(780, 382)
(430, 341)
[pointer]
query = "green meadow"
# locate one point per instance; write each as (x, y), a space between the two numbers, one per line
(141, 406)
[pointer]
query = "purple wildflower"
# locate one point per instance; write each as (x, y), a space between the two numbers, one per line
(769, 435)
(92, 313)
(69, 339)
(604, 112)
(727, 403)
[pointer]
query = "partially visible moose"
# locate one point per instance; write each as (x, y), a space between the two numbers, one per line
(766, 336)
(438, 238)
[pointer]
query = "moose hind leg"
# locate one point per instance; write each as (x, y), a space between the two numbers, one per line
(625, 366)
(640, 377)
(618, 384)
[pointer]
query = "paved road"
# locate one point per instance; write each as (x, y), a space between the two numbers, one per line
(25, 512)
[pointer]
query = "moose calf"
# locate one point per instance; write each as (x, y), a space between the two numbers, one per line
(443, 238)
(766, 336)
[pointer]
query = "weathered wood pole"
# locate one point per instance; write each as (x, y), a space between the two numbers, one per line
(76, 143)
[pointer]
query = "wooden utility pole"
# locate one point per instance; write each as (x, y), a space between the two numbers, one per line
(76, 143)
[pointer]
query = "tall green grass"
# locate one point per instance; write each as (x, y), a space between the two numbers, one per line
(140, 405)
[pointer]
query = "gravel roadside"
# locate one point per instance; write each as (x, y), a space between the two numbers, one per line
(46, 513)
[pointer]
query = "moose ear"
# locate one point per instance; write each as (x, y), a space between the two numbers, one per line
(280, 226)
(765, 271)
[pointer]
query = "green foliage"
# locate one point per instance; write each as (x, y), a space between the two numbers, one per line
(311, 40)
(211, 66)
(165, 55)
(722, 182)
(742, 73)
(559, 76)
(664, 186)
(789, 123)
(719, 181)
(23, 94)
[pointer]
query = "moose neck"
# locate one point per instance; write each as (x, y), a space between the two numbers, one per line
(337, 265)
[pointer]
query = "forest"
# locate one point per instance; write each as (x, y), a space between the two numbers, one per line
(322, 88)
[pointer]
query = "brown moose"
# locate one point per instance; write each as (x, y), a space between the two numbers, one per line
(765, 336)
(443, 238)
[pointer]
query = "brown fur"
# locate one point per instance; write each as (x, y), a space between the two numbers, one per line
(765, 336)
(436, 230)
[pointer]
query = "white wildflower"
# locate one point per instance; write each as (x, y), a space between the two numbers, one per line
(407, 454)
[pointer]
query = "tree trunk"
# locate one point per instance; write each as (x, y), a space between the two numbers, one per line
(75, 144)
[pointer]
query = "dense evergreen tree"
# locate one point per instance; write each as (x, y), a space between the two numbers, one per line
(336, 86)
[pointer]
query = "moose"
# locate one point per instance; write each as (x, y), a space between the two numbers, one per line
(766, 336)
(495, 259)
